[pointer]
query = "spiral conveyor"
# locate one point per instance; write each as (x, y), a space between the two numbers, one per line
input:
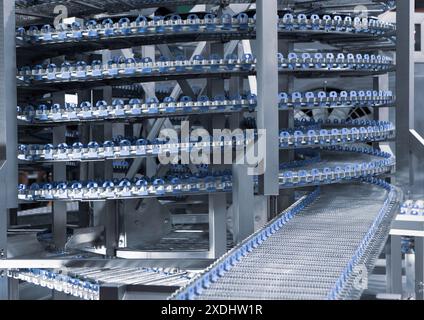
(316, 248)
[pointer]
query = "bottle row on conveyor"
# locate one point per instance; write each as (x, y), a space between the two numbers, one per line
(226, 141)
(174, 24)
(120, 67)
(210, 182)
(137, 108)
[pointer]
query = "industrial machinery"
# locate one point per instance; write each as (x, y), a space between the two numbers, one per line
(200, 149)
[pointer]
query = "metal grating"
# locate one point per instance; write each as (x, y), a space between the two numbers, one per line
(305, 259)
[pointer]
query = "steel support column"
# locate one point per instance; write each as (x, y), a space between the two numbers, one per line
(217, 225)
(8, 128)
(394, 265)
(267, 75)
(419, 268)
(286, 120)
(405, 91)
(13, 289)
(405, 96)
(111, 228)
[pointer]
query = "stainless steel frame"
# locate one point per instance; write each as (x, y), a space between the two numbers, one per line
(243, 200)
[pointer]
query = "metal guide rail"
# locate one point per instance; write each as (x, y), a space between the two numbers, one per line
(367, 132)
(138, 108)
(242, 25)
(126, 148)
(348, 169)
(121, 68)
(86, 283)
(316, 249)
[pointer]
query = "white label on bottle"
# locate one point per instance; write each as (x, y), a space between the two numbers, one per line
(72, 115)
(56, 116)
(97, 73)
(120, 112)
(76, 155)
(103, 113)
(126, 194)
(87, 114)
(81, 74)
(129, 70)
(141, 150)
(109, 153)
(124, 153)
(143, 192)
(62, 156)
(92, 155)
(136, 111)
(48, 156)
(66, 75)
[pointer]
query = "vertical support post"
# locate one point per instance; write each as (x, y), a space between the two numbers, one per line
(216, 87)
(9, 98)
(394, 265)
(217, 225)
(8, 127)
(235, 88)
(267, 75)
(103, 170)
(59, 174)
(111, 227)
(85, 168)
(13, 289)
(405, 95)
(59, 207)
(286, 121)
(218, 202)
(419, 268)
(405, 87)
(409, 288)
(243, 203)
(381, 82)
(150, 92)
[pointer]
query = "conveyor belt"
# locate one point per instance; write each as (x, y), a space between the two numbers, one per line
(308, 257)
(329, 172)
